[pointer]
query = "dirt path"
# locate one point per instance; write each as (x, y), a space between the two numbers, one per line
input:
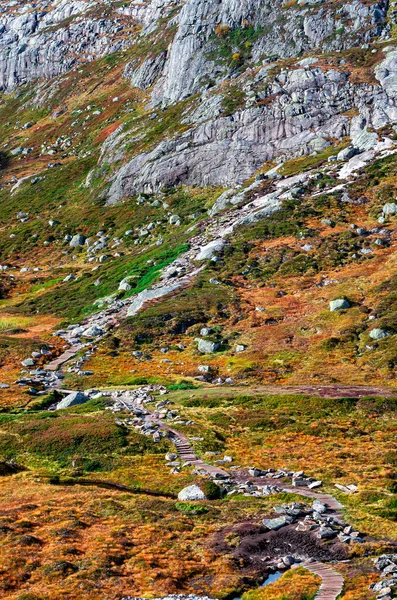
(331, 391)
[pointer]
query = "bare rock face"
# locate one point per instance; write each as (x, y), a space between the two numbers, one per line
(288, 115)
(274, 30)
(48, 38)
(306, 107)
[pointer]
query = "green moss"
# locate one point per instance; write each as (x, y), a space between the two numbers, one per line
(188, 508)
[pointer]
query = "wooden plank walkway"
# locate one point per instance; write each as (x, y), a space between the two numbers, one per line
(332, 582)
(185, 449)
(332, 502)
(57, 363)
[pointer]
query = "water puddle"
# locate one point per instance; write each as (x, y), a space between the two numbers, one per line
(272, 578)
(269, 579)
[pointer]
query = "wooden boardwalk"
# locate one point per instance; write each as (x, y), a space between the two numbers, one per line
(187, 454)
(332, 582)
(70, 353)
(332, 502)
(185, 449)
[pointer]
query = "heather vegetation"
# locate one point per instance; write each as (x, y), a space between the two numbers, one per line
(198, 300)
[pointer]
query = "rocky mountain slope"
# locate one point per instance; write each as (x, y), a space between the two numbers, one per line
(198, 259)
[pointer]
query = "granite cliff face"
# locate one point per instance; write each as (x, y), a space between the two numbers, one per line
(47, 38)
(252, 81)
(282, 31)
(254, 98)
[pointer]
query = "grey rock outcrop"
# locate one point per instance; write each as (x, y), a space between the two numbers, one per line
(73, 399)
(280, 32)
(47, 39)
(210, 250)
(305, 105)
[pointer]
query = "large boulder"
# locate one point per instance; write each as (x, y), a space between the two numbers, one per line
(339, 304)
(93, 331)
(390, 208)
(73, 399)
(347, 153)
(77, 241)
(207, 346)
(191, 493)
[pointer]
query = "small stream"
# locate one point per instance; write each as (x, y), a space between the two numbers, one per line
(271, 578)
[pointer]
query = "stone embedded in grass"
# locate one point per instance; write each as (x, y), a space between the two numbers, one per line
(339, 304)
(191, 493)
(17, 151)
(171, 456)
(208, 347)
(68, 278)
(389, 209)
(28, 362)
(204, 331)
(241, 348)
(175, 220)
(378, 334)
(77, 241)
